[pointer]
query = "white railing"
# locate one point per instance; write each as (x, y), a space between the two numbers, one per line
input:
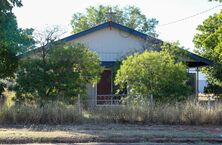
(113, 99)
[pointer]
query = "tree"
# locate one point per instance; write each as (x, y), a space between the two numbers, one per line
(66, 73)
(130, 16)
(154, 73)
(44, 39)
(177, 52)
(208, 43)
(12, 39)
(216, 0)
(47, 38)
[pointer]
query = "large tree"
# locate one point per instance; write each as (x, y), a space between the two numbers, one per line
(12, 39)
(208, 43)
(130, 16)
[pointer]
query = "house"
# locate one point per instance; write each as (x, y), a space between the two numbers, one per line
(112, 41)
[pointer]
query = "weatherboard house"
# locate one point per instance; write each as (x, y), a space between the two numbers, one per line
(112, 41)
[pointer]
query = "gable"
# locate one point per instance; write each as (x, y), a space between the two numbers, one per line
(113, 25)
(111, 44)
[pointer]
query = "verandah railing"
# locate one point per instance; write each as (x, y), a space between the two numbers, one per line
(114, 99)
(111, 99)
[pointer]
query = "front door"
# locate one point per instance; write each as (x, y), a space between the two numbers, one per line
(104, 87)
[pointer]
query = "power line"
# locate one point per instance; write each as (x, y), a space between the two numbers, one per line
(188, 17)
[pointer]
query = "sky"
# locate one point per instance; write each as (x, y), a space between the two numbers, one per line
(39, 14)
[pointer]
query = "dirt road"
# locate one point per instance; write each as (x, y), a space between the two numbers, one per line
(111, 133)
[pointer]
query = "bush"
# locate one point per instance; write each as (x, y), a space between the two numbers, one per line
(62, 76)
(154, 73)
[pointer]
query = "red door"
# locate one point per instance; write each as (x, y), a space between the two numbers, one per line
(104, 87)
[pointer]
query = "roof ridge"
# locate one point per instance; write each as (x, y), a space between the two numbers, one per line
(107, 24)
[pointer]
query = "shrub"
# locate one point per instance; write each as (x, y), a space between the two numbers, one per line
(154, 73)
(62, 76)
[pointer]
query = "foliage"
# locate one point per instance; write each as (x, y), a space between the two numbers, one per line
(76, 62)
(213, 88)
(177, 52)
(130, 16)
(216, 0)
(7, 5)
(64, 75)
(46, 39)
(12, 39)
(154, 73)
(208, 42)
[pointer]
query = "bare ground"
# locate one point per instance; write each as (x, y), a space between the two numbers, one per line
(110, 133)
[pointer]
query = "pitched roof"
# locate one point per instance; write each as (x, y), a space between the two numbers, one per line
(199, 61)
(108, 24)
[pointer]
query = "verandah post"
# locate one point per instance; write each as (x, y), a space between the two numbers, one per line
(209, 102)
(79, 109)
(111, 99)
(151, 99)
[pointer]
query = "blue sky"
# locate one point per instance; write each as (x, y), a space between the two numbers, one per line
(40, 13)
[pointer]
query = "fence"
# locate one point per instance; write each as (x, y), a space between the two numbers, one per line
(111, 99)
(117, 99)
(210, 101)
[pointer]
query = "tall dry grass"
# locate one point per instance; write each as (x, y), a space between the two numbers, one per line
(188, 113)
(52, 113)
